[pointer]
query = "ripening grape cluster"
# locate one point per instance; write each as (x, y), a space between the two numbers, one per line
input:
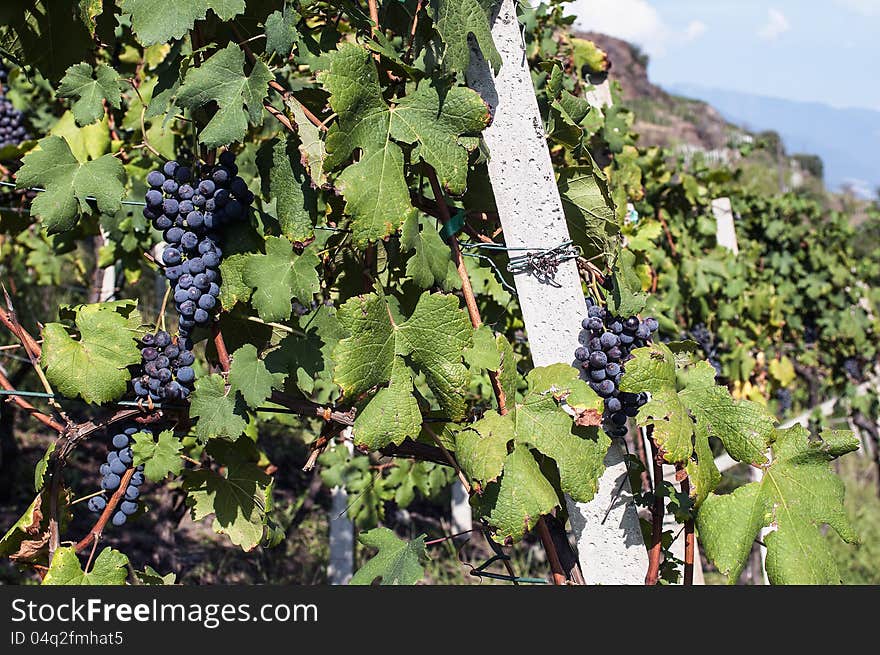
(166, 367)
(700, 333)
(12, 127)
(611, 342)
(189, 210)
(119, 460)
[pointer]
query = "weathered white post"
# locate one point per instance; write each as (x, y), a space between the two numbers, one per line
(725, 232)
(340, 568)
(460, 508)
(609, 541)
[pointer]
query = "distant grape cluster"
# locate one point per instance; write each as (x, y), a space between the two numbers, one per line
(784, 398)
(189, 212)
(119, 460)
(166, 368)
(700, 333)
(853, 368)
(611, 342)
(12, 128)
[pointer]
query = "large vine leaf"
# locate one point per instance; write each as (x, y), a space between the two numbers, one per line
(589, 210)
(280, 276)
(396, 563)
(430, 265)
(541, 423)
(160, 21)
(686, 407)
(218, 409)
(94, 366)
(377, 196)
(109, 568)
(239, 97)
(458, 21)
(799, 493)
(514, 506)
(69, 183)
(238, 498)
(281, 32)
(432, 339)
(91, 87)
(286, 181)
(160, 457)
(249, 376)
(391, 416)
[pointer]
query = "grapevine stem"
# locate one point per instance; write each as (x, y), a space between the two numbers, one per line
(449, 458)
(97, 529)
(657, 514)
(689, 543)
(160, 319)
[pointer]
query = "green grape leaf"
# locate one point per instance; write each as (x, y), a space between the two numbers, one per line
(684, 391)
(430, 265)
(161, 21)
(109, 568)
(239, 97)
(484, 353)
(432, 339)
(627, 299)
(745, 427)
(457, 22)
(94, 367)
(481, 449)
(42, 466)
(68, 183)
(281, 32)
(579, 452)
(523, 496)
(311, 144)
(238, 499)
(150, 576)
(539, 422)
(280, 276)
(161, 457)
(391, 416)
(396, 563)
(375, 189)
(234, 290)
(798, 495)
(249, 376)
(589, 210)
(91, 87)
(291, 187)
(219, 411)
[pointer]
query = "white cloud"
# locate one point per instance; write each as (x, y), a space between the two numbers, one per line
(777, 24)
(635, 21)
(864, 7)
(632, 20)
(695, 30)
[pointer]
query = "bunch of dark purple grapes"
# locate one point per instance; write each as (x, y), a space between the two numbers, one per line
(12, 127)
(119, 460)
(190, 212)
(705, 339)
(610, 344)
(166, 366)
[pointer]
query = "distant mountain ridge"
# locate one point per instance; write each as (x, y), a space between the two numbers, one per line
(847, 140)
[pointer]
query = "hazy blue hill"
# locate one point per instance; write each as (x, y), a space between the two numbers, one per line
(848, 140)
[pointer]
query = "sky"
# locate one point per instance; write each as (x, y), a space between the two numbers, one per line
(824, 51)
